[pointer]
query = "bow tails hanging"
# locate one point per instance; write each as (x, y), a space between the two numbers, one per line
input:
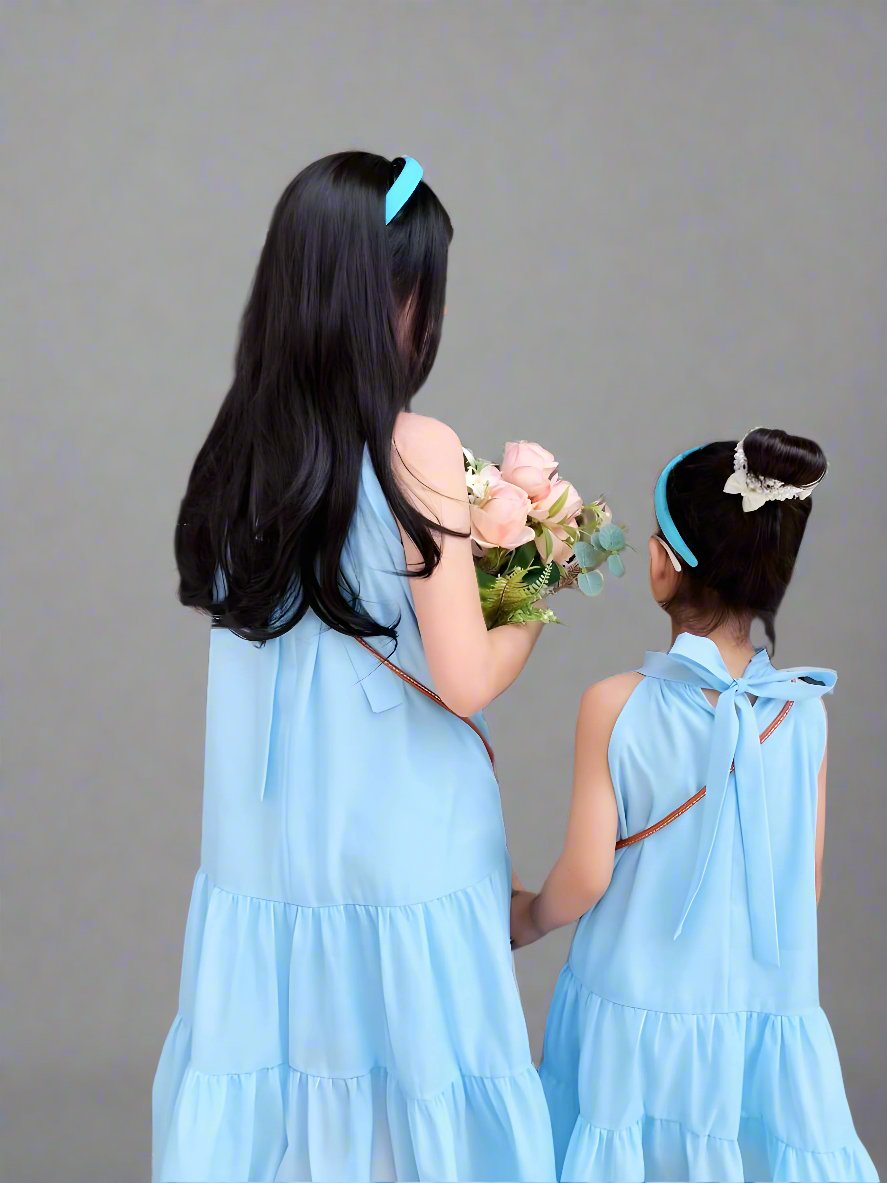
(735, 743)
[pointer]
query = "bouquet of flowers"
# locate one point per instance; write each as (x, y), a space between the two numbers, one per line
(532, 535)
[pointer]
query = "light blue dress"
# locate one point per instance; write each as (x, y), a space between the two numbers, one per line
(685, 1038)
(348, 1005)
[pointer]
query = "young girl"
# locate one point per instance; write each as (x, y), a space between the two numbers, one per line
(348, 1008)
(685, 1038)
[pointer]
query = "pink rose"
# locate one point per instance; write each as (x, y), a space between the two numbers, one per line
(557, 510)
(499, 518)
(560, 504)
(529, 466)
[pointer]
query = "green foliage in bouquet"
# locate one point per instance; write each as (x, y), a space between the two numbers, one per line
(514, 583)
(603, 544)
(512, 597)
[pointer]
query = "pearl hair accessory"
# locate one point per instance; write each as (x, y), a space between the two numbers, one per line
(757, 490)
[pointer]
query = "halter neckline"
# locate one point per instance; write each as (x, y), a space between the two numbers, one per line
(704, 653)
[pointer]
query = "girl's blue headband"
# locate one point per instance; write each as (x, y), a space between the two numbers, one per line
(403, 188)
(663, 514)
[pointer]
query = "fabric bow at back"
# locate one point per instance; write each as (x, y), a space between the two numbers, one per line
(735, 742)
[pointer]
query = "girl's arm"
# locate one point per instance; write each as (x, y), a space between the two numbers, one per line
(469, 665)
(582, 873)
(820, 819)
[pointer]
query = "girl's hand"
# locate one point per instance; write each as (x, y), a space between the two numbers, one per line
(523, 928)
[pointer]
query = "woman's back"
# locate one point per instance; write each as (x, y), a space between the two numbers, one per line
(330, 781)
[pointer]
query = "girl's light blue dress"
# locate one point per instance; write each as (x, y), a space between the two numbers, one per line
(703, 1054)
(348, 1006)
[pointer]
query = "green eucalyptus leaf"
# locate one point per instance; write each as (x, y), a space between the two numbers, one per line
(584, 553)
(611, 537)
(616, 566)
(591, 583)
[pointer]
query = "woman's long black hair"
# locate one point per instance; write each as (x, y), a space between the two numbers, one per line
(340, 330)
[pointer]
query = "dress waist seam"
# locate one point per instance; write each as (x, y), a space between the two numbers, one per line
(796, 1013)
(262, 899)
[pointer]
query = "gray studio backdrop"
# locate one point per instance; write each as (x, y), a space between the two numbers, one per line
(670, 227)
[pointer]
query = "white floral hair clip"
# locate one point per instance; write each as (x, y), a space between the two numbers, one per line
(757, 490)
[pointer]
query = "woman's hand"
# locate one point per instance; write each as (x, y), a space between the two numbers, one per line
(524, 929)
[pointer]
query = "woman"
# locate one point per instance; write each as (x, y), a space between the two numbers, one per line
(348, 1004)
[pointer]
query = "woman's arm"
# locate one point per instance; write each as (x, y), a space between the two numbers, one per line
(469, 665)
(582, 873)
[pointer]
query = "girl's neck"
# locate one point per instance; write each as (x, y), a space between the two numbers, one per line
(734, 645)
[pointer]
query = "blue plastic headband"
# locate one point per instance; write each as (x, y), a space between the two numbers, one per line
(663, 514)
(403, 188)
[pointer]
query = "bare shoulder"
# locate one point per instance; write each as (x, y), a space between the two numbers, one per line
(428, 454)
(602, 703)
(419, 437)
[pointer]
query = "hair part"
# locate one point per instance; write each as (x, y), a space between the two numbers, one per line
(340, 330)
(745, 560)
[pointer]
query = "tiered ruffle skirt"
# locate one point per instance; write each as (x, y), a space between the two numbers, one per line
(637, 1094)
(349, 1042)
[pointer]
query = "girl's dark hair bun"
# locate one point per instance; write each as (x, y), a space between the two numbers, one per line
(791, 459)
(746, 559)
